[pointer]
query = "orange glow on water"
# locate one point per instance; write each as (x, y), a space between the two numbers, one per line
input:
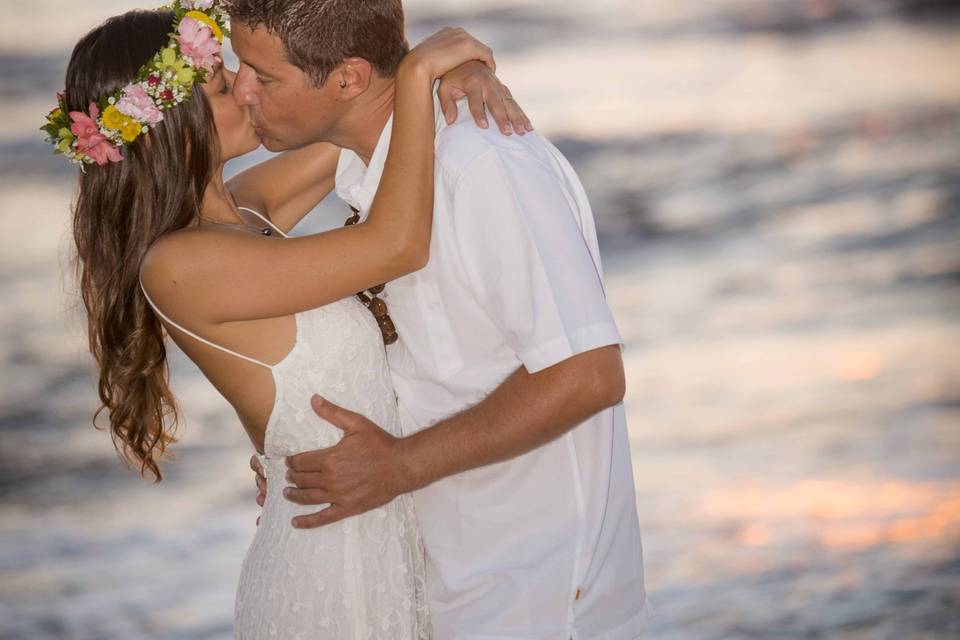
(858, 366)
(837, 513)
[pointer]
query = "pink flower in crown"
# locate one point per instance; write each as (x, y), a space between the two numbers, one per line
(84, 126)
(103, 152)
(90, 141)
(138, 105)
(198, 44)
(202, 5)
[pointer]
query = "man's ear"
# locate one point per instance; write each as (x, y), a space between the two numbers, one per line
(352, 77)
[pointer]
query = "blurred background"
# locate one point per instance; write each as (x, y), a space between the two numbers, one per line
(777, 188)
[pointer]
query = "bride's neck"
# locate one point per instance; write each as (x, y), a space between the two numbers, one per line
(217, 203)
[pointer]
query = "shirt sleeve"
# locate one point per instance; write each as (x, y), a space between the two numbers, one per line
(525, 241)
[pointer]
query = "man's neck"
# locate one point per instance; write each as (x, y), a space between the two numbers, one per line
(361, 130)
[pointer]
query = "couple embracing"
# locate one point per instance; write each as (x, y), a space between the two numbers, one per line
(445, 456)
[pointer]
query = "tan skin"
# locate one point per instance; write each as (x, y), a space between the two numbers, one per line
(195, 274)
(369, 467)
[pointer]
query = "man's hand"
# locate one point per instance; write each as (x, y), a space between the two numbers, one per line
(481, 87)
(363, 471)
(261, 481)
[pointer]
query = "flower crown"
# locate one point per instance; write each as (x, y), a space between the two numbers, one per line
(167, 80)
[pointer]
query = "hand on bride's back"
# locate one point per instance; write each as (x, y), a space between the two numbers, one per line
(261, 480)
(448, 48)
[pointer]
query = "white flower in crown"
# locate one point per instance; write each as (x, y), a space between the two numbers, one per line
(203, 5)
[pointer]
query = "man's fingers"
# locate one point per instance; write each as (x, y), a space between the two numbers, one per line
(261, 490)
(335, 415)
(307, 496)
(331, 514)
(256, 466)
(309, 461)
(306, 479)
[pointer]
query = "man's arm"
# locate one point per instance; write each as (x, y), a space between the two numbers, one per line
(525, 412)
(369, 467)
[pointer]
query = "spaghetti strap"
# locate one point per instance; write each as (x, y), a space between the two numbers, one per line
(193, 335)
(265, 219)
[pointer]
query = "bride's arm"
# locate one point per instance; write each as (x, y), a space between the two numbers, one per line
(288, 186)
(216, 275)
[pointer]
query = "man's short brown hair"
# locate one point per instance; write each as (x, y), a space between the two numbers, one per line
(318, 35)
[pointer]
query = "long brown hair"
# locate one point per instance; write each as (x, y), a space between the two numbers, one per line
(120, 210)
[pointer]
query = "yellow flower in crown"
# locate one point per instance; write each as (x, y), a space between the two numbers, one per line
(207, 20)
(112, 118)
(130, 129)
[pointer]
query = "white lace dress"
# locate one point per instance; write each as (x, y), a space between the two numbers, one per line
(358, 579)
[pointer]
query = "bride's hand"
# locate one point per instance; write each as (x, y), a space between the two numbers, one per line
(482, 88)
(446, 49)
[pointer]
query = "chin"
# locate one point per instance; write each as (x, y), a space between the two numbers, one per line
(250, 147)
(274, 145)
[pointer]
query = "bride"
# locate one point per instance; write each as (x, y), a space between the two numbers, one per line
(167, 247)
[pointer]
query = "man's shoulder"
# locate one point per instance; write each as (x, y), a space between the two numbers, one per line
(461, 144)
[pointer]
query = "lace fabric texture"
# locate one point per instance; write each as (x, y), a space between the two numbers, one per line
(358, 579)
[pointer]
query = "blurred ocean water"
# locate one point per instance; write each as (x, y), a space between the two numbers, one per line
(777, 187)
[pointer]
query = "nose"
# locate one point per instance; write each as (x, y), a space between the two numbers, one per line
(244, 86)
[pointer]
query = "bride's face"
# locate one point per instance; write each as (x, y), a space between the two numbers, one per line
(234, 129)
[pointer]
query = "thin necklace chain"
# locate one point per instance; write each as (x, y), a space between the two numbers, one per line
(264, 231)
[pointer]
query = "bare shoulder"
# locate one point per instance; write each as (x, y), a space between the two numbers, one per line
(176, 260)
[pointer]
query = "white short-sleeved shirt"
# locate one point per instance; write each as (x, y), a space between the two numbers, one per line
(547, 545)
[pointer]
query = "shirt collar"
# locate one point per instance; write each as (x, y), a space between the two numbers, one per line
(356, 182)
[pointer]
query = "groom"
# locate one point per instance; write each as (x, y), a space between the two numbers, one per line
(507, 369)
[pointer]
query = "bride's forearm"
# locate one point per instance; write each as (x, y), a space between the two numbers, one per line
(288, 186)
(403, 207)
(402, 210)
